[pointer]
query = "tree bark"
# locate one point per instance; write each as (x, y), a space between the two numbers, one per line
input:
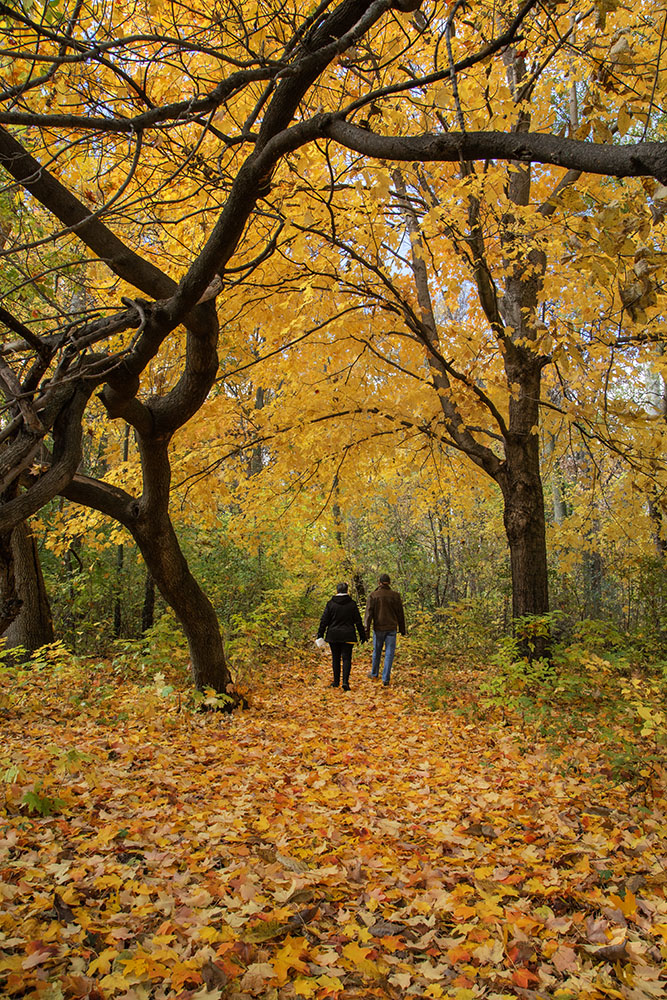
(10, 605)
(524, 521)
(159, 546)
(32, 626)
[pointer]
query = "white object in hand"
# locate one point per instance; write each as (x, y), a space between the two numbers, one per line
(320, 643)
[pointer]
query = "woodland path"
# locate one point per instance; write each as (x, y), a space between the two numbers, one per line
(321, 844)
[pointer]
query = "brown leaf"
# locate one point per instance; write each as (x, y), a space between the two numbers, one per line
(615, 916)
(565, 959)
(596, 930)
(302, 918)
(385, 928)
(213, 976)
(611, 953)
(482, 830)
(256, 976)
(64, 912)
(354, 873)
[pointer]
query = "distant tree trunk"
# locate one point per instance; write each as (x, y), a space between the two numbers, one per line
(117, 604)
(32, 626)
(656, 516)
(148, 607)
(359, 586)
(592, 567)
(441, 555)
(559, 507)
(11, 602)
(120, 557)
(256, 462)
(338, 517)
(68, 614)
(348, 565)
(656, 509)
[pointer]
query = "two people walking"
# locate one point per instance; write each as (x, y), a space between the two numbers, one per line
(341, 623)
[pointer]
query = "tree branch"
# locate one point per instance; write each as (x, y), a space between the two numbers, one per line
(641, 159)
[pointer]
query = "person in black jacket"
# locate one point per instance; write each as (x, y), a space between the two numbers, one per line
(338, 623)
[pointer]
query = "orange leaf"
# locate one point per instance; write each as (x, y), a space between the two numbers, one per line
(523, 978)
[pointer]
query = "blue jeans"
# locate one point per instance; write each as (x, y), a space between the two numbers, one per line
(388, 640)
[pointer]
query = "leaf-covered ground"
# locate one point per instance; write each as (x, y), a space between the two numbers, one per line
(320, 844)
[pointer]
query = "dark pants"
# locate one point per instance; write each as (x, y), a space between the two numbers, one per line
(341, 651)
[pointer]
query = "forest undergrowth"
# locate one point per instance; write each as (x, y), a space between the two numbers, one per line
(319, 844)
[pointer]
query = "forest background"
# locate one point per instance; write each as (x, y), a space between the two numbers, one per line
(418, 359)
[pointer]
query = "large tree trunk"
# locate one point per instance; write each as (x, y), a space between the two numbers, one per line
(148, 520)
(32, 625)
(162, 554)
(524, 521)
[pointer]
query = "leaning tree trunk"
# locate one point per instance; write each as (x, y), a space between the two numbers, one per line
(162, 554)
(32, 626)
(147, 519)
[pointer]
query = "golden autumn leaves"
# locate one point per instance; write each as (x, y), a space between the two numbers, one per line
(310, 848)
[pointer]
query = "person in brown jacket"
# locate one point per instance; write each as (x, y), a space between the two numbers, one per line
(385, 613)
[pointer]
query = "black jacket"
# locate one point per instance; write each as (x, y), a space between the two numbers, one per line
(339, 619)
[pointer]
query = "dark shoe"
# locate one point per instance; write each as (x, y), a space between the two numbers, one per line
(385, 684)
(333, 685)
(373, 676)
(346, 687)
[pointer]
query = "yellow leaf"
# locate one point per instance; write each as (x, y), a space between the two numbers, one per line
(354, 953)
(305, 987)
(209, 934)
(114, 982)
(103, 962)
(623, 121)
(627, 905)
(330, 983)
(289, 957)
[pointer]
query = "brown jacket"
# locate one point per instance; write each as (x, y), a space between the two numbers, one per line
(385, 611)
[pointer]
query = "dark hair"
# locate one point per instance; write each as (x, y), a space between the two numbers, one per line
(341, 588)
(384, 578)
